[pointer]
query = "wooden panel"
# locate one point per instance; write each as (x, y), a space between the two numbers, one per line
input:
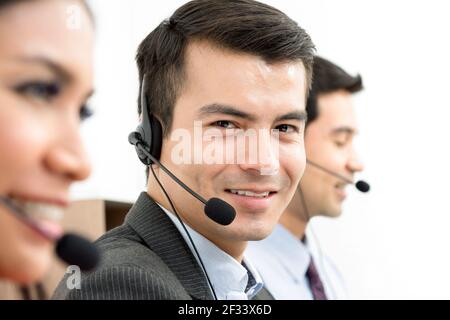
(115, 213)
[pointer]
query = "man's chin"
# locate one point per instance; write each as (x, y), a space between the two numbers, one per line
(333, 212)
(254, 236)
(255, 231)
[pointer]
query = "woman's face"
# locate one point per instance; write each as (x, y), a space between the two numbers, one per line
(46, 67)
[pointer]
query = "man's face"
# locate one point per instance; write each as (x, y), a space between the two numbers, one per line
(329, 143)
(225, 91)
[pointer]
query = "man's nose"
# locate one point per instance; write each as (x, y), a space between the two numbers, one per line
(263, 157)
(354, 164)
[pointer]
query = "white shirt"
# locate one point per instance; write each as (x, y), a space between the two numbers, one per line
(282, 260)
(228, 277)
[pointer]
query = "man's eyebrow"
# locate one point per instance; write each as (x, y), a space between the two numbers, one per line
(217, 108)
(344, 129)
(89, 94)
(294, 115)
(55, 67)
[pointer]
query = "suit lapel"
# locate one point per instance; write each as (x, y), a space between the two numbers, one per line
(162, 237)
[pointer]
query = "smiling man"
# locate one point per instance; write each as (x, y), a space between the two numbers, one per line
(235, 67)
(285, 258)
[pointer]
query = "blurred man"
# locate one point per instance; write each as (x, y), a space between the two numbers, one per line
(284, 259)
(225, 67)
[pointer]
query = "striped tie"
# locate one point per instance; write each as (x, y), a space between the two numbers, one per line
(317, 289)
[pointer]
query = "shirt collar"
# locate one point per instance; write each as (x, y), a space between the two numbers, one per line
(230, 279)
(293, 253)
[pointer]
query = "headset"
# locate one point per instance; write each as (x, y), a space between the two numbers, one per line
(148, 139)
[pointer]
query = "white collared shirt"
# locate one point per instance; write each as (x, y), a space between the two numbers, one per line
(283, 260)
(228, 277)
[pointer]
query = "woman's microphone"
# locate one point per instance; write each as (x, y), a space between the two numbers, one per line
(70, 248)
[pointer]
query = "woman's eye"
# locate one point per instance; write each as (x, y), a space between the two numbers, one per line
(39, 90)
(224, 124)
(287, 128)
(85, 113)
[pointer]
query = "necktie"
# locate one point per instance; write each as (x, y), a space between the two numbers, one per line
(317, 289)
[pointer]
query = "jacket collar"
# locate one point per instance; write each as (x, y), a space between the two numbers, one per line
(159, 233)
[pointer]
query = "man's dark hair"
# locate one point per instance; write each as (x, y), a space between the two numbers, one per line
(328, 77)
(243, 26)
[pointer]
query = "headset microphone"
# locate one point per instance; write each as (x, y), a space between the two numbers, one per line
(216, 209)
(148, 139)
(360, 185)
(70, 248)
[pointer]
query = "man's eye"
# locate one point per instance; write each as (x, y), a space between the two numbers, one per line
(287, 128)
(39, 90)
(224, 124)
(85, 113)
(340, 144)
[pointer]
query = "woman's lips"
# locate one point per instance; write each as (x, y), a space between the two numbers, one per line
(42, 217)
(49, 229)
(61, 202)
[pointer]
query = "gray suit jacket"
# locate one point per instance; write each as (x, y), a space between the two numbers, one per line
(146, 258)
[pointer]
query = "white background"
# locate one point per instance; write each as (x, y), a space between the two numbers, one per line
(391, 243)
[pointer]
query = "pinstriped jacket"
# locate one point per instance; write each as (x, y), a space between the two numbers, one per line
(146, 258)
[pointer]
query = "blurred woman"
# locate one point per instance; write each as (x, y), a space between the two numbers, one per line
(46, 62)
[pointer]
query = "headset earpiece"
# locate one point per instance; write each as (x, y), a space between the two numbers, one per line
(150, 130)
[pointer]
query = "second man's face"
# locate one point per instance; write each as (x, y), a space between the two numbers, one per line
(329, 143)
(228, 107)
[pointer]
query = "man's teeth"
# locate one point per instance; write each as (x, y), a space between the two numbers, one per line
(41, 211)
(250, 193)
